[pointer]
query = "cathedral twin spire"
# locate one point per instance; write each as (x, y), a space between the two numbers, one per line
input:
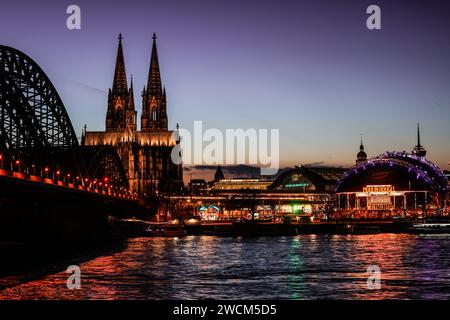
(154, 105)
(121, 114)
(120, 78)
(154, 77)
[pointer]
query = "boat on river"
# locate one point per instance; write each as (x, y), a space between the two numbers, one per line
(129, 228)
(430, 228)
(166, 229)
(357, 229)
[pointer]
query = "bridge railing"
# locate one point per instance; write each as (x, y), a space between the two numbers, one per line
(78, 183)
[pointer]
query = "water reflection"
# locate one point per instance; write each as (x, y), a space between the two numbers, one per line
(300, 267)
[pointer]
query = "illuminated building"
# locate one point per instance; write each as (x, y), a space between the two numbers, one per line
(392, 184)
(308, 179)
(395, 182)
(242, 184)
(146, 154)
(198, 187)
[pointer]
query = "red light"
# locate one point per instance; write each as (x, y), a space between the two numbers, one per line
(46, 169)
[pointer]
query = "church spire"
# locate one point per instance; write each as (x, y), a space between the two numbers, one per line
(419, 150)
(418, 135)
(130, 104)
(121, 114)
(120, 78)
(219, 174)
(154, 104)
(154, 77)
(362, 155)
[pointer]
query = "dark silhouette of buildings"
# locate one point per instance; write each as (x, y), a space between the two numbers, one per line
(362, 155)
(219, 174)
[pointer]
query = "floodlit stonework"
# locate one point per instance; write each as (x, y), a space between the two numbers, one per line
(146, 154)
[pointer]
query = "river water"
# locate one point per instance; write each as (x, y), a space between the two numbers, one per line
(206, 267)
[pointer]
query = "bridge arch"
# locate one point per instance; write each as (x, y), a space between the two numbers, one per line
(34, 124)
(104, 162)
(35, 127)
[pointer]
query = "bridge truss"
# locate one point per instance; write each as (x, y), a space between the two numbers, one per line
(36, 134)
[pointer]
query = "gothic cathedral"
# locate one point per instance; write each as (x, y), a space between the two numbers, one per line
(146, 154)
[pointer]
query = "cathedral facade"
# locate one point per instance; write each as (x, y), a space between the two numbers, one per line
(145, 154)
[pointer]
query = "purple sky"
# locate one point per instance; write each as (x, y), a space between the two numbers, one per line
(310, 68)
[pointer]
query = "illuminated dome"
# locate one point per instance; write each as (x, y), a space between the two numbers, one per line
(402, 170)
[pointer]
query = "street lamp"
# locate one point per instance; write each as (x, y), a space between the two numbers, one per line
(46, 170)
(17, 162)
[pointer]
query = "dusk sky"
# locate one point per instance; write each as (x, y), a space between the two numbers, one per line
(310, 68)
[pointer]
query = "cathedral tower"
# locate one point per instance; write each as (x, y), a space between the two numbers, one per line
(121, 114)
(154, 106)
(145, 154)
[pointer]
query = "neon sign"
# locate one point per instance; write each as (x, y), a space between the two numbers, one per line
(378, 188)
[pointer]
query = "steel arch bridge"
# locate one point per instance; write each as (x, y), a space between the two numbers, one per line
(35, 128)
(105, 162)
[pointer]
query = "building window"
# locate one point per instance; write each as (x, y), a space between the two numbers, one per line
(154, 114)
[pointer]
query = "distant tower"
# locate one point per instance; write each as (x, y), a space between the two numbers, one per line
(361, 156)
(121, 114)
(154, 105)
(419, 150)
(219, 174)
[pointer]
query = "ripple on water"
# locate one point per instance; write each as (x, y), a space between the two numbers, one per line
(300, 267)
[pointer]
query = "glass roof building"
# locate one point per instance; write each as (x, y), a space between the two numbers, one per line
(308, 179)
